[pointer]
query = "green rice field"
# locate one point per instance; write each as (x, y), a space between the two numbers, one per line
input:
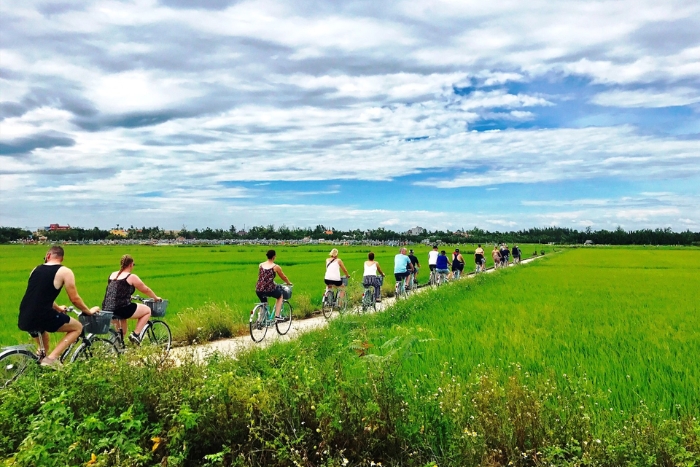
(191, 277)
(583, 357)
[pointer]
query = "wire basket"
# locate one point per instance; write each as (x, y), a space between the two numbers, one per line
(381, 280)
(97, 323)
(157, 308)
(344, 280)
(286, 291)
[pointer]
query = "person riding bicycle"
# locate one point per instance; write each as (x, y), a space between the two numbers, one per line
(416, 265)
(505, 253)
(457, 262)
(333, 267)
(516, 254)
(432, 257)
(479, 257)
(442, 264)
(38, 312)
(370, 278)
(266, 287)
(402, 267)
(121, 285)
(496, 255)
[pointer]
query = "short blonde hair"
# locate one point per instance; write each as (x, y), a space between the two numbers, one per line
(334, 252)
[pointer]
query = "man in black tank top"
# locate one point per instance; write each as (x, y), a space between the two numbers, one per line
(39, 313)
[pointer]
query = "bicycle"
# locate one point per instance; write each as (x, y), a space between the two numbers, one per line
(412, 283)
(433, 278)
(15, 360)
(516, 260)
(332, 298)
(441, 278)
(400, 289)
(262, 316)
(91, 346)
(155, 334)
(369, 294)
(456, 274)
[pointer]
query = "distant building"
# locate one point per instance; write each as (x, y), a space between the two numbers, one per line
(328, 232)
(54, 227)
(588, 242)
(118, 232)
(415, 231)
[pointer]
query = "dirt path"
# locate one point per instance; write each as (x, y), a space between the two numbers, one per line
(231, 347)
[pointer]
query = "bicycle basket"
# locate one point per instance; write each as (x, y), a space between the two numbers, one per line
(97, 323)
(286, 291)
(344, 280)
(381, 280)
(157, 308)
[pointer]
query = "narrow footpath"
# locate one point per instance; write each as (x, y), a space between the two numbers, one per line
(231, 347)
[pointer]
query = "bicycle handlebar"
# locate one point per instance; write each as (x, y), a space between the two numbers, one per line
(139, 298)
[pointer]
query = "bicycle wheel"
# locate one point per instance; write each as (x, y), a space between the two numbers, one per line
(13, 363)
(368, 299)
(157, 334)
(342, 302)
(283, 327)
(69, 350)
(258, 323)
(327, 307)
(95, 347)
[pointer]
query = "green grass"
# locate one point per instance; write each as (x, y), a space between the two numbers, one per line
(588, 357)
(192, 278)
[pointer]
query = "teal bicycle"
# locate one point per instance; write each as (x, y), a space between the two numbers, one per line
(262, 316)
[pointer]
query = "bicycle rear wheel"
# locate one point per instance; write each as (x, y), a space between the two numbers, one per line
(342, 302)
(327, 306)
(95, 347)
(283, 327)
(258, 323)
(368, 302)
(157, 335)
(13, 363)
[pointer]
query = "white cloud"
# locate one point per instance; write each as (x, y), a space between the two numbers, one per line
(647, 98)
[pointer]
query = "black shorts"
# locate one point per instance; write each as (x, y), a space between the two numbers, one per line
(125, 312)
(277, 293)
(478, 259)
(457, 267)
(432, 266)
(401, 275)
(330, 282)
(47, 323)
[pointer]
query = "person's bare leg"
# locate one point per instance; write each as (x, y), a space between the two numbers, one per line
(278, 306)
(142, 314)
(72, 330)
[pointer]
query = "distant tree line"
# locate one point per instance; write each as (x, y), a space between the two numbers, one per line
(557, 235)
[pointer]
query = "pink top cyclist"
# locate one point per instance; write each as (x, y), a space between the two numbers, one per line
(266, 287)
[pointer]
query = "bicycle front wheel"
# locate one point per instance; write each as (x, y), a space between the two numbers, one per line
(327, 307)
(157, 335)
(258, 323)
(95, 347)
(283, 327)
(13, 363)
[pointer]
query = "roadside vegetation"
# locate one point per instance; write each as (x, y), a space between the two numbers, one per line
(583, 358)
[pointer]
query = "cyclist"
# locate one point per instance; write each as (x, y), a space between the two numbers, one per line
(432, 257)
(505, 253)
(457, 262)
(333, 267)
(479, 258)
(496, 255)
(516, 254)
(416, 265)
(121, 285)
(38, 310)
(266, 287)
(402, 267)
(442, 264)
(370, 278)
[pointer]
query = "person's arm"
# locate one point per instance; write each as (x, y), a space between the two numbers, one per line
(68, 278)
(279, 272)
(342, 266)
(379, 269)
(141, 287)
(409, 266)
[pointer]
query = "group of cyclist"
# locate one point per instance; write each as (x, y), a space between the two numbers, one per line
(39, 314)
(501, 255)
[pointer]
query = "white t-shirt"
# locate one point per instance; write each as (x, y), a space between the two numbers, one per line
(332, 270)
(432, 257)
(371, 269)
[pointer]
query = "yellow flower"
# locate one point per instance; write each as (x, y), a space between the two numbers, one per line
(156, 443)
(93, 460)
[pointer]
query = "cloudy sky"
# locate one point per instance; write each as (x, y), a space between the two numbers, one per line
(444, 114)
